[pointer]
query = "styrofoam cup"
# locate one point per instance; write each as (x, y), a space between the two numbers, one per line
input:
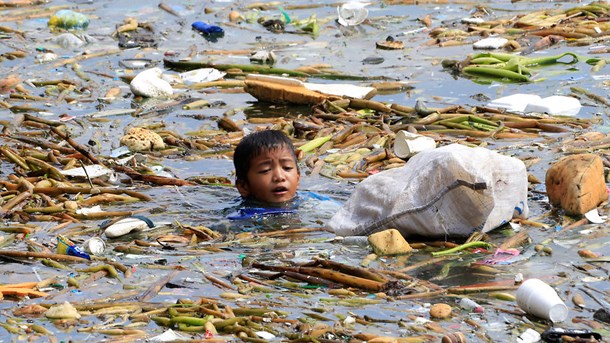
(407, 144)
(536, 297)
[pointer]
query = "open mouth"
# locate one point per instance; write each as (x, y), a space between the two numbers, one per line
(279, 190)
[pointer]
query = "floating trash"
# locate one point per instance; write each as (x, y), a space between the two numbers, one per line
(263, 57)
(390, 44)
(94, 246)
(202, 75)
(66, 247)
(136, 63)
(490, 43)
(373, 60)
(149, 83)
(594, 217)
(67, 19)
(207, 28)
(125, 226)
(352, 13)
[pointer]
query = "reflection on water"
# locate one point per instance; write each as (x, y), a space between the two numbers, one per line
(210, 206)
(343, 49)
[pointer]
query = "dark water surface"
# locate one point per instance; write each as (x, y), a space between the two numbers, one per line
(343, 48)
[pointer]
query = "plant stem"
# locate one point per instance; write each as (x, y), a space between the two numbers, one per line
(462, 247)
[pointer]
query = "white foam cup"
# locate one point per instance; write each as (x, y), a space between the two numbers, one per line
(407, 144)
(537, 298)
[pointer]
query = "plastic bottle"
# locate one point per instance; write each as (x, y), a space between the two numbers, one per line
(207, 28)
(470, 305)
(361, 241)
(67, 19)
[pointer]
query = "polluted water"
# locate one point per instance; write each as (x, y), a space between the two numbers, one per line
(121, 222)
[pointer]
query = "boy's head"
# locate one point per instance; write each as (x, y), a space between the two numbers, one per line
(266, 167)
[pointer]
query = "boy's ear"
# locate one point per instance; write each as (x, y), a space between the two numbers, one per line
(243, 188)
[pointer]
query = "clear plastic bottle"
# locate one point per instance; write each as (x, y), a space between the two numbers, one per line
(352, 13)
(67, 19)
(361, 241)
(470, 305)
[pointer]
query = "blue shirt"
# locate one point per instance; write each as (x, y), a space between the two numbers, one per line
(252, 209)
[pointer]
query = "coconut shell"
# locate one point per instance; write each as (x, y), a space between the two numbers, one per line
(576, 183)
(140, 139)
(440, 311)
(390, 45)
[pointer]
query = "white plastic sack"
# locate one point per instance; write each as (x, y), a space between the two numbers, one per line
(449, 191)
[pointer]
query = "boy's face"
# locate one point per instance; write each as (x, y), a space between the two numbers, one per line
(273, 177)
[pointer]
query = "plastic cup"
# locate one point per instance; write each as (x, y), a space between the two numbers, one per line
(537, 298)
(94, 246)
(352, 13)
(407, 144)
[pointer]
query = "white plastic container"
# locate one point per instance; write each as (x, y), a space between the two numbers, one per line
(202, 75)
(407, 144)
(125, 226)
(536, 297)
(514, 103)
(149, 84)
(490, 43)
(352, 91)
(555, 105)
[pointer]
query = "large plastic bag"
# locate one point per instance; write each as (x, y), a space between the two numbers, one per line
(449, 191)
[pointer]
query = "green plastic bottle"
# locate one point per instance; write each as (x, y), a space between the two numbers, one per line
(67, 19)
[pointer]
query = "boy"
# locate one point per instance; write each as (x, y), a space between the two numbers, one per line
(266, 167)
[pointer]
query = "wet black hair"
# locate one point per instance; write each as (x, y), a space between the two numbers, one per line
(256, 143)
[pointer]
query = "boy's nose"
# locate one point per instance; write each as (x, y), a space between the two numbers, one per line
(278, 175)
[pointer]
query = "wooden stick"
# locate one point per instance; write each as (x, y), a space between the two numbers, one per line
(154, 289)
(288, 232)
(22, 292)
(476, 289)
(309, 279)
(101, 215)
(56, 191)
(86, 57)
(9, 205)
(158, 180)
(352, 270)
(32, 254)
(424, 263)
(421, 295)
(404, 276)
(76, 146)
(516, 240)
(338, 277)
